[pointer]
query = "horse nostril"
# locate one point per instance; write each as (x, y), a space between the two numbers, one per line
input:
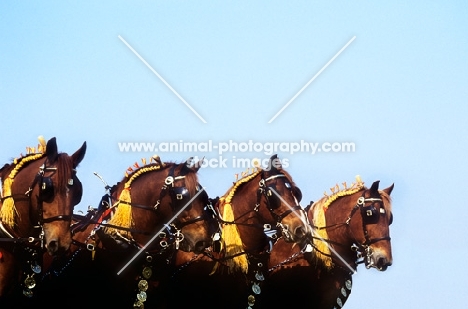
(300, 232)
(383, 263)
(52, 246)
(200, 246)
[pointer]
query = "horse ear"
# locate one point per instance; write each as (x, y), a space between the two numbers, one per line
(375, 186)
(297, 193)
(79, 155)
(197, 165)
(389, 189)
(51, 150)
(187, 165)
(275, 163)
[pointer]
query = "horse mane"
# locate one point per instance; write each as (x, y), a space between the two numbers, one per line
(64, 171)
(322, 251)
(289, 177)
(387, 200)
(191, 178)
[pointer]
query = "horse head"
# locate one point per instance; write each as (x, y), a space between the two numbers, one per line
(190, 200)
(282, 198)
(355, 225)
(257, 208)
(52, 190)
(375, 218)
(165, 196)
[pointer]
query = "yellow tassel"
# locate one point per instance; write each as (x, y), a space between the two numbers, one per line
(123, 214)
(359, 180)
(7, 210)
(156, 159)
(323, 251)
(42, 144)
(233, 243)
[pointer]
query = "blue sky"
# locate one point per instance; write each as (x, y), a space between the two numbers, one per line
(398, 91)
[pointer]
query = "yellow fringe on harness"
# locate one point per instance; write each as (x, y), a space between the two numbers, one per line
(233, 243)
(322, 251)
(123, 213)
(8, 210)
(231, 240)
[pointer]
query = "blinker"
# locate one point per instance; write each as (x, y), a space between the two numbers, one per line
(370, 215)
(47, 189)
(273, 200)
(181, 193)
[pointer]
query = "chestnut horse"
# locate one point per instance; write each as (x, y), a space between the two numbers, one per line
(257, 208)
(39, 192)
(126, 246)
(351, 226)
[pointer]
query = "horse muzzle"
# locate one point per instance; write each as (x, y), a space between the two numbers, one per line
(55, 247)
(378, 261)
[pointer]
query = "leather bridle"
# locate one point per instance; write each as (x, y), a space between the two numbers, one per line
(273, 201)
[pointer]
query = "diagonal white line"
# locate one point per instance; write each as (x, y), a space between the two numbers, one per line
(316, 235)
(160, 231)
(304, 221)
(336, 253)
(313, 78)
(162, 79)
